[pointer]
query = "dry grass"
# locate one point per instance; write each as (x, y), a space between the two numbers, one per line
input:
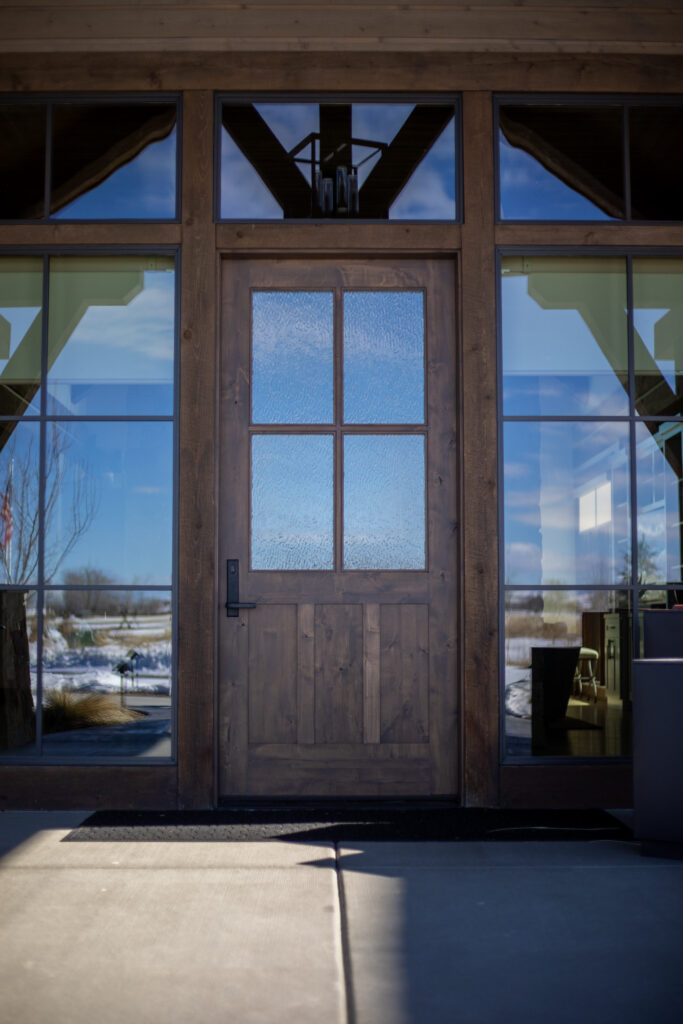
(63, 710)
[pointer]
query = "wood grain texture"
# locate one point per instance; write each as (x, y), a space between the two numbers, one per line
(412, 27)
(371, 674)
(480, 465)
(272, 671)
(93, 786)
(404, 651)
(338, 673)
(306, 674)
(196, 493)
(442, 72)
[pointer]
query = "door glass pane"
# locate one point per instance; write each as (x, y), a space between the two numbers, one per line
(18, 653)
(658, 336)
(660, 502)
(22, 161)
(655, 158)
(561, 163)
(384, 502)
(113, 161)
(107, 657)
(567, 503)
(21, 300)
(19, 497)
(384, 357)
(109, 501)
(292, 357)
(292, 502)
(111, 336)
(568, 673)
(565, 340)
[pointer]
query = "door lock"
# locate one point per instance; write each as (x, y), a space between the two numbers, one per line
(233, 603)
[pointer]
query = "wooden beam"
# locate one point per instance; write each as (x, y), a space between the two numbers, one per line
(196, 508)
(480, 464)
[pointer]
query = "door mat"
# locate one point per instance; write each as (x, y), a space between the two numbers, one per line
(347, 823)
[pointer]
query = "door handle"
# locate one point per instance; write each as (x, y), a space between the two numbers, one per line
(233, 603)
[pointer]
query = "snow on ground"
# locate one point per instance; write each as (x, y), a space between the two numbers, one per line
(82, 654)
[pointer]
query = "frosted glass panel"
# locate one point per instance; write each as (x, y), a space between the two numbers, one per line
(384, 502)
(292, 357)
(292, 502)
(383, 357)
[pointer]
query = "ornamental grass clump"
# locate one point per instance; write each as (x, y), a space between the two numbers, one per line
(63, 710)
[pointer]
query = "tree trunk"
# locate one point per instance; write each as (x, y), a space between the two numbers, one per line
(17, 717)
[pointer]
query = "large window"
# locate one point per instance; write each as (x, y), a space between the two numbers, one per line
(393, 160)
(592, 403)
(88, 159)
(87, 397)
(572, 159)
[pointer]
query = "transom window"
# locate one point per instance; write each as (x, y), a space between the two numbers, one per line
(393, 160)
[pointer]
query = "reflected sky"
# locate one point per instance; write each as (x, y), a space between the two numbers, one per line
(566, 506)
(528, 191)
(658, 476)
(19, 485)
(142, 189)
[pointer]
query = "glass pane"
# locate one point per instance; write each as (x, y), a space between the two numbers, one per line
(109, 501)
(22, 161)
(113, 161)
(659, 472)
(111, 335)
(21, 300)
(565, 342)
(658, 336)
(384, 502)
(656, 154)
(19, 497)
(384, 357)
(292, 357)
(292, 502)
(566, 503)
(371, 160)
(18, 647)
(107, 658)
(568, 673)
(561, 163)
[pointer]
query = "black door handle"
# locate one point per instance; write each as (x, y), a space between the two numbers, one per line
(233, 603)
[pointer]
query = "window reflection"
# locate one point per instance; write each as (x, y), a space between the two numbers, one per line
(565, 339)
(22, 161)
(658, 336)
(568, 673)
(561, 163)
(567, 503)
(659, 469)
(111, 336)
(106, 671)
(18, 652)
(377, 161)
(21, 301)
(19, 501)
(113, 161)
(655, 157)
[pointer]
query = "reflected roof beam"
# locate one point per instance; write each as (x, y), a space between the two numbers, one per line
(270, 159)
(400, 159)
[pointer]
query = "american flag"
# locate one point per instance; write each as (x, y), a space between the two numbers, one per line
(6, 520)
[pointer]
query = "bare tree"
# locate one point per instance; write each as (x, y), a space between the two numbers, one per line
(19, 557)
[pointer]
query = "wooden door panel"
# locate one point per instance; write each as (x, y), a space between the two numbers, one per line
(340, 682)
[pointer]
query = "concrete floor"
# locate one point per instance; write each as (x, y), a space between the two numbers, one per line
(379, 933)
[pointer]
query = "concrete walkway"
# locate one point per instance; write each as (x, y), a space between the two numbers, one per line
(380, 933)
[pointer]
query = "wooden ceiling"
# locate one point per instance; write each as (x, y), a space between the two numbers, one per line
(476, 26)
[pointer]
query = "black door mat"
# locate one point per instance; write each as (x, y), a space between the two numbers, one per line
(346, 823)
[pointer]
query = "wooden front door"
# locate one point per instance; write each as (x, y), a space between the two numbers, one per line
(338, 517)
